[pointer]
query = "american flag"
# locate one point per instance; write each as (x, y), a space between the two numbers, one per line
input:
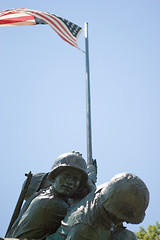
(67, 30)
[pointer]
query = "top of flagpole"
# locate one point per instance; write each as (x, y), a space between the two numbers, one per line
(86, 29)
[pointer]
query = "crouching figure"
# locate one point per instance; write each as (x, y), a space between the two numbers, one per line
(100, 215)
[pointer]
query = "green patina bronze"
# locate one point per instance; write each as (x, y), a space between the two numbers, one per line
(101, 214)
(66, 205)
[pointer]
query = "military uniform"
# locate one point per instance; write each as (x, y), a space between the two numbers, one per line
(42, 217)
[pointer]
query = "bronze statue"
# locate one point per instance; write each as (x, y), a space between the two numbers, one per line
(101, 214)
(44, 210)
(65, 204)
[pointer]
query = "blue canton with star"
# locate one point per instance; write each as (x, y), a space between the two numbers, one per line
(73, 28)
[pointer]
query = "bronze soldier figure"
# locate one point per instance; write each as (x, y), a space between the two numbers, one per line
(65, 206)
(100, 215)
(44, 210)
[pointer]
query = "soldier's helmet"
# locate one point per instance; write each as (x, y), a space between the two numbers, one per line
(126, 197)
(70, 160)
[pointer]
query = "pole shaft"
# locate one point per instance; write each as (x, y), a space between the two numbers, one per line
(88, 100)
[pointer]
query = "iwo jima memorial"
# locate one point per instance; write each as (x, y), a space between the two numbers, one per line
(65, 203)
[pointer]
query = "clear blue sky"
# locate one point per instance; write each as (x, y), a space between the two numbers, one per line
(42, 95)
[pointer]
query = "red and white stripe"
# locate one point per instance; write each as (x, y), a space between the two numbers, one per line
(16, 19)
(23, 16)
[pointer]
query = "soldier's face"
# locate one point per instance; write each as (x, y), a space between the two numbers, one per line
(67, 182)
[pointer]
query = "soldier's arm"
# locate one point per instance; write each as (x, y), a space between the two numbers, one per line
(92, 172)
(123, 234)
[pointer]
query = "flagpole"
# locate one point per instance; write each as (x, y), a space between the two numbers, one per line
(88, 100)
